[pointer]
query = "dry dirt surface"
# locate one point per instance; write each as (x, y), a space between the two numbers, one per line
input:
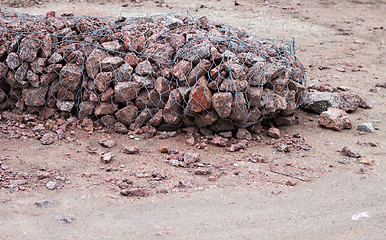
(64, 191)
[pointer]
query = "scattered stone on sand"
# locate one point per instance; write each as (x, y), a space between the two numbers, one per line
(366, 127)
(135, 192)
(291, 183)
(51, 185)
(42, 203)
(130, 150)
(237, 146)
(107, 143)
(202, 171)
(334, 119)
(274, 132)
(346, 151)
(68, 218)
(107, 157)
(48, 138)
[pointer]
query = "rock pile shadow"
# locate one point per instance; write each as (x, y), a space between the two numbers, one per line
(165, 71)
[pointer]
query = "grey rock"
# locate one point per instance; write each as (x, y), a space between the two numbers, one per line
(319, 102)
(65, 106)
(42, 203)
(13, 61)
(190, 158)
(366, 127)
(51, 185)
(143, 68)
(111, 63)
(123, 73)
(172, 22)
(143, 81)
(68, 218)
(112, 46)
(55, 58)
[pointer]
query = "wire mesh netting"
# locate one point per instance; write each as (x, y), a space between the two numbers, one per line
(170, 70)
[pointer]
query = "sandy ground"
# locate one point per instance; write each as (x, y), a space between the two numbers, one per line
(335, 197)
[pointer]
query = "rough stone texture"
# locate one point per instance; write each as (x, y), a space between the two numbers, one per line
(120, 128)
(55, 58)
(48, 138)
(108, 121)
(219, 141)
(162, 86)
(111, 63)
(223, 103)
(33, 79)
(136, 73)
(243, 133)
(319, 102)
(274, 132)
(156, 119)
(126, 91)
(71, 76)
(237, 146)
(93, 62)
(130, 150)
(149, 99)
(198, 71)
(76, 57)
(113, 46)
(143, 81)
(105, 108)
(232, 85)
(21, 74)
(181, 70)
(34, 97)
(86, 109)
(13, 61)
(201, 97)
(349, 102)
(127, 114)
(286, 121)
(123, 73)
(143, 68)
(107, 157)
(254, 95)
(65, 106)
(239, 110)
(3, 70)
(172, 22)
(107, 143)
(135, 192)
(366, 127)
(107, 96)
(256, 74)
(29, 48)
(173, 111)
(103, 80)
(335, 119)
(206, 119)
(350, 152)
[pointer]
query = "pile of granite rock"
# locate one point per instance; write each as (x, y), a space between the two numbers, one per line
(162, 71)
